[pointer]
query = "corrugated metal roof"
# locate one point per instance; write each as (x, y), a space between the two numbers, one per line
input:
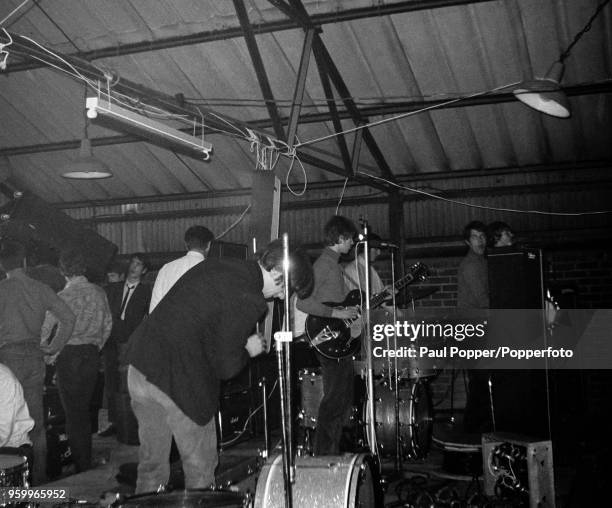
(390, 63)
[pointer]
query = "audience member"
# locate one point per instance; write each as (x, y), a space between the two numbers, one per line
(197, 241)
(129, 304)
(15, 419)
(78, 361)
(23, 305)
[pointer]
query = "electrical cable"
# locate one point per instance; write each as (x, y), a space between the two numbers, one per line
(404, 115)
(341, 195)
(13, 12)
(246, 423)
(483, 207)
(303, 191)
(235, 223)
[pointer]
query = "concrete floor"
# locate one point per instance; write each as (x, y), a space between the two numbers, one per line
(419, 483)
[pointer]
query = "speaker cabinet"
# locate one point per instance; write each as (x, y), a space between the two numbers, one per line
(232, 419)
(518, 466)
(32, 221)
(515, 278)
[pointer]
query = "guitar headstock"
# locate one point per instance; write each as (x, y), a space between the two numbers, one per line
(419, 271)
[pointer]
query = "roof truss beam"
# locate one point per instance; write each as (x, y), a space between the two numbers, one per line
(330, 71)
(260, 70)
(168, 103)
(384, 109)
(261, 28)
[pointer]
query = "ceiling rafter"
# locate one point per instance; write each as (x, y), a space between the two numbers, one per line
(260, 28)
(168, 103)
(378, 110)
(326, 63)
(600, 167)
(260, 70)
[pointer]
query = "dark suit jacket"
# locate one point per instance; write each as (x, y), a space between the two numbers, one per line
(196, 335)
(137, 308)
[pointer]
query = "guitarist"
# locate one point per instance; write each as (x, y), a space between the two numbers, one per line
(354, 272)
(329, 286)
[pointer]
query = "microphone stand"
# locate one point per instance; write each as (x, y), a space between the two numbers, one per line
(283, 355)
(371, 431)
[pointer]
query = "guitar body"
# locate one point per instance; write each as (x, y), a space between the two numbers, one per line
(341, 338)
(332, 337)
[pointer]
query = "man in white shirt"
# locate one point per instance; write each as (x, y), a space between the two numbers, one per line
(15, 420)
(197, 241)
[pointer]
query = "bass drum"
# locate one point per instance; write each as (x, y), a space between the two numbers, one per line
(327, 481)
(188, 498)
(415, 419)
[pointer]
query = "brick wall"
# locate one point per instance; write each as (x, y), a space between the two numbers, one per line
(581, 279)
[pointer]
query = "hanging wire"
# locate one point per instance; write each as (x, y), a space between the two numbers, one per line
(341, 195)
(586, 28)
(404, 115)
(13, 12)
(482, 207)
(234, 224)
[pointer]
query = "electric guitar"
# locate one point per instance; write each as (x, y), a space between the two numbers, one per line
(339, 338)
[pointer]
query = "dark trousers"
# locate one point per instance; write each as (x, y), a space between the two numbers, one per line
(110, 357)
(477, 417)
(26, 362)
(77, 372)
(335, 407)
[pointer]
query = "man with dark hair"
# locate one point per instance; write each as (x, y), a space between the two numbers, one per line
(472, 297)
(500, 234)
(78, 361)
(197, 241)
(23, 305)
(199, 334)
(472, 275)
(43, 267)
(129, 304)
(329, 286)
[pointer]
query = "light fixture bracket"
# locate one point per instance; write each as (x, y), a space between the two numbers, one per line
(124, 119)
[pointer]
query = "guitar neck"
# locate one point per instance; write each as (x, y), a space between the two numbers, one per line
(382, 296)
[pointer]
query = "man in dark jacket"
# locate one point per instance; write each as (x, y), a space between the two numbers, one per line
(129, 304)
(200, 333)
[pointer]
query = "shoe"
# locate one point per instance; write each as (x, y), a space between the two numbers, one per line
(111, 430)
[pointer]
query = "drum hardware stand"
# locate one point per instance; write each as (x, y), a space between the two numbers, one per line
(283, 355)
(398, 450)
(490, 386)
(264, 404)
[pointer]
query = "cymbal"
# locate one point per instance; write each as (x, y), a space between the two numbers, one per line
(412, 294)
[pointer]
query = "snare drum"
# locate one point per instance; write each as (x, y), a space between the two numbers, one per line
(415, 419)
(334, 481)
(188, 498)
(13, 471)
(311, 392)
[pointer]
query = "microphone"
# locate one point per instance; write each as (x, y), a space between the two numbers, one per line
(387, 245)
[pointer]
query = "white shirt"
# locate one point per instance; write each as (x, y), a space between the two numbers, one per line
(15, 420)
(356, 279)
(170, 273)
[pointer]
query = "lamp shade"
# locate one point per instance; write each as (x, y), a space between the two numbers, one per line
(86, 166)
(545, 94)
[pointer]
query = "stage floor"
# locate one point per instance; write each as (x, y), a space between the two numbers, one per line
(418, 480)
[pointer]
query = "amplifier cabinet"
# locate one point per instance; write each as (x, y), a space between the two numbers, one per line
(531, 463)
(234, 410)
